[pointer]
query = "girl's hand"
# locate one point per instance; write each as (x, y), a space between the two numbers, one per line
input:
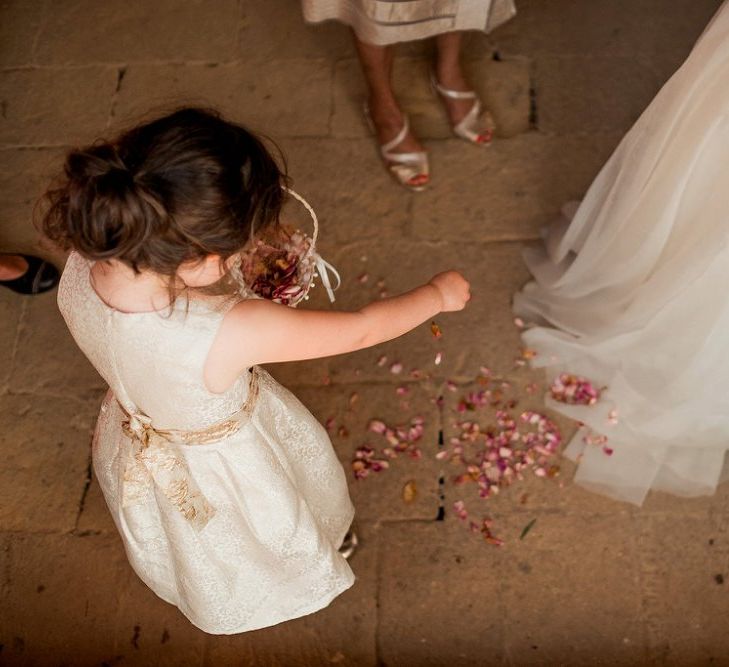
(454, 289)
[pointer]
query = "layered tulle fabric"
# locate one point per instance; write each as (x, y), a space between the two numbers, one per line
(631, 289)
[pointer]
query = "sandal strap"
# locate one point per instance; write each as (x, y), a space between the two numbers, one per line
(452, 94)
(469, 120)
(385, 148)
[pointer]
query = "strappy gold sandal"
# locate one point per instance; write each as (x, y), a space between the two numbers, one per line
(477, 127)
(411, 170)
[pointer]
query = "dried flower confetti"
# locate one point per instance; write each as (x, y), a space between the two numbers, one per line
(409, 491)
(353, 398)
(382, 361)
(329, 423)
(435, 330)
(364, 462)
(459, 507)
(377, 426)
(574, 390)
(363, 278)
(613, 416)
(519, 322)
(402, 390)
(396, 368)
(438, 358)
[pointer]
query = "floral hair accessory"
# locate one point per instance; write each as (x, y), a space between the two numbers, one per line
(282, 269)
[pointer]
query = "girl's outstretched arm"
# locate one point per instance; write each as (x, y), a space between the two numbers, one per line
(260, 332)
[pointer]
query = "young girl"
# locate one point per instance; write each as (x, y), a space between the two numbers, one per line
(226, 491)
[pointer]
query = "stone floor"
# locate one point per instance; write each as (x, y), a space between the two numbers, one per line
(593, 582)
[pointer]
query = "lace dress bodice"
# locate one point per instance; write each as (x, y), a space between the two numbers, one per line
(153, 361)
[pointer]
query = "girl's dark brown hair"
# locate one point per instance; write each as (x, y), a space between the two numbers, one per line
(176, 189)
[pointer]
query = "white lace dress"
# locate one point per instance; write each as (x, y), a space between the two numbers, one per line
(630, 290)
(248, 536)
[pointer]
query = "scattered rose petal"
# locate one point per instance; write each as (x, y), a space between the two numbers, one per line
(451, 386)
(363, 278)
(574, 390)
(382, 360)
(435, 330)
(409, 491)
(396, 368)
(519, 322)
(377, 426)
(459, 508)
(607, 450)
(342, 432)
(613, 416)
(438, 358)
(329, 423)
(402, 390)
(353, 398)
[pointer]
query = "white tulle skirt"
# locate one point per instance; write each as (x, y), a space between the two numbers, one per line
(631, 289)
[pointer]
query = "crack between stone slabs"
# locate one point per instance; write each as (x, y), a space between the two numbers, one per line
(646, 631)
(66, 397)
(16, 343)
(379, 662)
(84, 492)
(332, 104)
(41, 27)
(120, 74)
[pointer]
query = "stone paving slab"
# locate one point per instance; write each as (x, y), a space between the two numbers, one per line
(574, 607)
(483, 333)
(352, 194)
(604, 27)
(25, 175)
(269, 97)
(288, 37)
(55, 106)
(503, 86)
(440, 597)
(18, 30)
(46, 447)
(62, 599)
(64, 370)
(121, 32)
(685, 566)
(10, 314)
(381, 495)
(570, 89)
(523, 183)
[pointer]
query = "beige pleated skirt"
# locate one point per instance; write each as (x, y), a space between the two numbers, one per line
(388, 21)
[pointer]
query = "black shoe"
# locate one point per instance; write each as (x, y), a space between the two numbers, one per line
(40, 276)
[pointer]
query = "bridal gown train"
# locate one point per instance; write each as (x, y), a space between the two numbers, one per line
(631, 290)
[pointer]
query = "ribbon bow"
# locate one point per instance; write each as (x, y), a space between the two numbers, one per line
(153, 457)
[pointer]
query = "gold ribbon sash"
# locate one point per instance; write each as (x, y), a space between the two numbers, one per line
(154, 458)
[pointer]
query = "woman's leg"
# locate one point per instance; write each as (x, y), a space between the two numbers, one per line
(449, 73)
(376, 64)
